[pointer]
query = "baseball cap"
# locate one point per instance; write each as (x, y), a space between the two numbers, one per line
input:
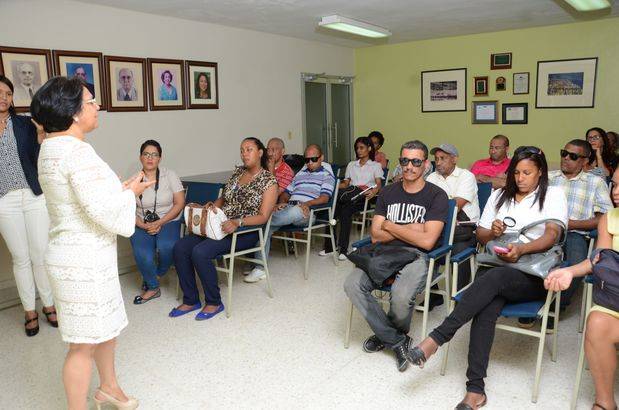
(448, 148)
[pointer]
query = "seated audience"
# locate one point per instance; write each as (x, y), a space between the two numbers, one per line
(602, 332)
(157, 221)
(362, 173)
(612, 141)
(526, 198)
(277, 166)
(588, 199)
(408, 213)
(459, 184)
(313, 185)
(493, 168)
(378, 141)
(603, 160)
(248, 199)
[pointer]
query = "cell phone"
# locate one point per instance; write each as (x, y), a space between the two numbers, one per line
(500, 250)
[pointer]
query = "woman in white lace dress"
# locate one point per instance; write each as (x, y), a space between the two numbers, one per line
(88, 206)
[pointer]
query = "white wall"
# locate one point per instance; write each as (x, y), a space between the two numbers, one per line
(259, 81)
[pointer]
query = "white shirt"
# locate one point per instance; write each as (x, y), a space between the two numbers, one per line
(365, 174)
(526, 211)
(460, 183)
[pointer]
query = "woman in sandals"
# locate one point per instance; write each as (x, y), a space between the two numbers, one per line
(526, 198)
(602, 333)
(24, 223)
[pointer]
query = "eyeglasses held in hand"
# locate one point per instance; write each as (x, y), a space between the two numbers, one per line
(573, 156)
(509, 222)
(151, 155)
(313, 159)
(415, 161)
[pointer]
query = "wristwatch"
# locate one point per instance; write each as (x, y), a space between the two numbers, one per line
(240, 222)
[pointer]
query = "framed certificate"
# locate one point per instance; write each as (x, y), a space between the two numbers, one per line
(521, 83)
(515, 113)
(485, 112)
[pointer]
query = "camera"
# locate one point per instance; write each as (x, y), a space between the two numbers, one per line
(150, 216)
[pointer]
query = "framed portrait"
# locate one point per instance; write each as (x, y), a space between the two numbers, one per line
(485, 112)
(481, 86)
(166, 84)
(500, 61)
(202, 84)
(566, 83)
(443, 90)
(516, 113)
(501, 83)
(28, 69)
(88, 66)
(125, 79)
(521, 83)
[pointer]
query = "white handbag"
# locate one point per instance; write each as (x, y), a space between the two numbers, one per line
(205, 223)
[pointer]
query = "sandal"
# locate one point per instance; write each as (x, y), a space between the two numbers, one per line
(54, 323)
(600, 406)
(139, 300)
(33, 330)
(463, 406)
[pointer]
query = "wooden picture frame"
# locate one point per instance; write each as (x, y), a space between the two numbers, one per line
(88, 66)
(501, 61)
(28, 69)
(166, 84)
(520, 83)
(125, 79)
(566, 83)
(515, 113)
(443, 90)
(484, 112)
(501, 83)
(481, 86)
(202, 85)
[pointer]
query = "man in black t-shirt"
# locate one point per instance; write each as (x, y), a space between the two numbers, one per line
(408, 213)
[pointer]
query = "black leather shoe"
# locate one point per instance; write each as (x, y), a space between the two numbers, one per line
(373, 344)
(401, 357)
(32, 331)
(139, 300)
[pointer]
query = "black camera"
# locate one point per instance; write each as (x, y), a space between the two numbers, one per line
(150, 216)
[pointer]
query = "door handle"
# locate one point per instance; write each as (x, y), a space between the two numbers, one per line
(335, 132)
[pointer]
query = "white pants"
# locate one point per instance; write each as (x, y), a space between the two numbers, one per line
(24, 225)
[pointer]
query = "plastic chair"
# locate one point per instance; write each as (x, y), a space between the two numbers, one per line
(484, 189)
(442, 250)
(587, 302)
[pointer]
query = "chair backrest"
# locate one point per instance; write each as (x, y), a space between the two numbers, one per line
(448, 230)
(484, 189)
(202, 192)
(385, 174)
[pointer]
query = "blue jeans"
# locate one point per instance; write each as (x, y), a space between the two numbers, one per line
(197, 252)
(145, 246)
(575, 248)
(291, 214)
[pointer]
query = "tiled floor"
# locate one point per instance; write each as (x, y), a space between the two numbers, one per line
(281, 353)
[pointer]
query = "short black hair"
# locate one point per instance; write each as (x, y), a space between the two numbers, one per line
(56, 102)
(379, 135)
(169, 72)
(150, 143)
(501, 137)
(415, 144)
(587, 149)
(368, 143)
(9, 84)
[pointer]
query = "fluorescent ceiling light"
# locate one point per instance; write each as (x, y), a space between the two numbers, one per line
(588, 5)
(357, 27)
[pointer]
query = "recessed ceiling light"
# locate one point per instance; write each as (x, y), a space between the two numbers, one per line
(357, 27)
(588, 5)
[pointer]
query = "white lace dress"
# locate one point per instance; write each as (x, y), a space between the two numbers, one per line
(87, 208)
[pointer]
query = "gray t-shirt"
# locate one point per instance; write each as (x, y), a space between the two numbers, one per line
(169, 184)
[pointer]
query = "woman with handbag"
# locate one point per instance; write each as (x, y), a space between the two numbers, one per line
(526, 198)
(248, 199)
(364, 174)
(602, 333)
(157, 221)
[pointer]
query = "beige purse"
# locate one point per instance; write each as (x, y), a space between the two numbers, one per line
(204, 223)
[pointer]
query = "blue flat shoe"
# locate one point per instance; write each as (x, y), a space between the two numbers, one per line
(205, 315)
(177, 312)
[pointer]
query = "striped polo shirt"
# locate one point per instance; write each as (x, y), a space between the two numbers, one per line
(308, 185)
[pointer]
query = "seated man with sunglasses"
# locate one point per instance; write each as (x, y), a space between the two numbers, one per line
(312, 185)
(411, 213)
(588, 198)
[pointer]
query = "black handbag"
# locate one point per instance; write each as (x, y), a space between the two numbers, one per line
(350, 194)
(380, 261)
(606, 278)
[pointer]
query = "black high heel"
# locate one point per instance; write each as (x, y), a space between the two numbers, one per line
(53, 323)
(34, 330)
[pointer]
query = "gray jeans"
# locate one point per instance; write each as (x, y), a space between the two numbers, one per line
(392, 327)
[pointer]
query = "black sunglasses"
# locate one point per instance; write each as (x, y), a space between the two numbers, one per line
(313, 159)
(415, 161)
(573, 156)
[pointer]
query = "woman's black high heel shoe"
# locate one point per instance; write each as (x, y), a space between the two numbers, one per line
(34, 330)
(53, 323)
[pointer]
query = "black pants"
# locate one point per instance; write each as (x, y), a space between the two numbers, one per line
(482, 303)
(343, 215)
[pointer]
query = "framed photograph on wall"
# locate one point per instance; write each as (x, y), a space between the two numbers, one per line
(202, 84)
(125, 79)
(443, 90)
(88, 66)
(521, 83)
(516, 113)
(501, 61)
(28, 69)
(481, 86)
(166, 84)
(485, 112)
(566, 83)
(501, 83)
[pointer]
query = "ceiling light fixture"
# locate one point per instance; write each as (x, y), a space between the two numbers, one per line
(588, 5)
(357, 27)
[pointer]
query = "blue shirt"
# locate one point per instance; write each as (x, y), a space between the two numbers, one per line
(308, 185)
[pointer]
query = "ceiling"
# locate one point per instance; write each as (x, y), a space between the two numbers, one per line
(407, 19)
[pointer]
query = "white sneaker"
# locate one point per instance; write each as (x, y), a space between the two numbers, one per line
(256, 275)
(247, 269)
(324, 253)
(342, 257)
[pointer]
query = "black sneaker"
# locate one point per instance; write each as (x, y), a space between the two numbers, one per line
(401, 356)
(373, 344)
(526, 322)
(435, 300)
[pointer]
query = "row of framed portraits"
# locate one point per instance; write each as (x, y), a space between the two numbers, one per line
(117, 83)
(560, 84)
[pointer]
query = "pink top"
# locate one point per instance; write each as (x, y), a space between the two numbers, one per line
(486, 167)
(381, 158)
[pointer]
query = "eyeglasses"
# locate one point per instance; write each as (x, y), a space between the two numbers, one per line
(593, 138)
(91, 101)
(573, 156)
(313, 159)
(150, 155)
(415, 161)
